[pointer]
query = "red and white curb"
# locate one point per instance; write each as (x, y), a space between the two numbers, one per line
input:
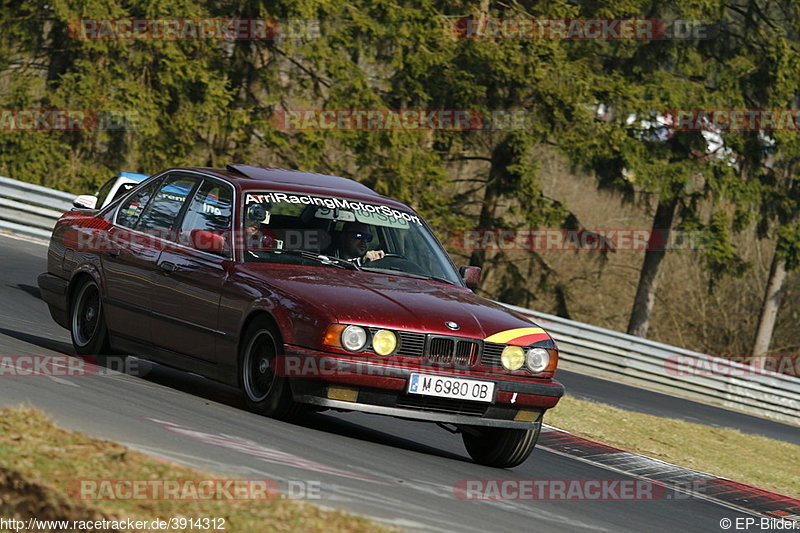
(699, 484)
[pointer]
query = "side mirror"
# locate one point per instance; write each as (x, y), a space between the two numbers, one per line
(85, 201)
(208, 241)
(471, 276)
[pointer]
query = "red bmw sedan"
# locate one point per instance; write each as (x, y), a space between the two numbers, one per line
(308, 292)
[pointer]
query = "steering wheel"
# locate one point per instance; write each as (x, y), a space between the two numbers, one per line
(401, 263)
(399, 256)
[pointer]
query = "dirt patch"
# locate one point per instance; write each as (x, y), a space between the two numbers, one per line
(22, 499)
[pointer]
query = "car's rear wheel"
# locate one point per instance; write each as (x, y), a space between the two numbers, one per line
(500, 447)
(264, 390)
(87, 320)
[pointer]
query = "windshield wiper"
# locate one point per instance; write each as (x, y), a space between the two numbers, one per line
(442, 280)
(409, 274)
(324, 259)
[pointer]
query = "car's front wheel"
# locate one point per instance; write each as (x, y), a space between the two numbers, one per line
(87, 320)
(500, 447)
(264, 390)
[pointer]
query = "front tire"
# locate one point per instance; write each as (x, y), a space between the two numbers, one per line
(264, 391)
(500, 447)
(87, 320)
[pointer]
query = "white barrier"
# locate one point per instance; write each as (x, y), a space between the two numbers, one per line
(31, 210)
(620, 357)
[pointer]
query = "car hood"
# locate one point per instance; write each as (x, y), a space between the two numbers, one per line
(394, 302)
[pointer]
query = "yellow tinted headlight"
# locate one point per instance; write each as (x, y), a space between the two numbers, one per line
(513, 357)
(384, 342)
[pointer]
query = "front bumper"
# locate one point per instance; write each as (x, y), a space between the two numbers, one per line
(377, 386)
(410, 414)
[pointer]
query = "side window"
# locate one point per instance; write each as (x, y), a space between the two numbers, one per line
(163, 209)
(124, 189)
(210, 209)
(130, 211)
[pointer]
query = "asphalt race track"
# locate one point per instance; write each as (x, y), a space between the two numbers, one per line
(401, 473)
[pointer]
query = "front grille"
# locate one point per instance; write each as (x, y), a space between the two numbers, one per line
(491, 354)
(466, 353)
(442, 405)
(411, 344)
(442, 351)
(451, 351)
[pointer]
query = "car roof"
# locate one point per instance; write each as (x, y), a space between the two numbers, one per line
(298, 177)
(248, 177)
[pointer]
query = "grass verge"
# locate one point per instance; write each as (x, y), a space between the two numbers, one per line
(760, 461)
(39, 460)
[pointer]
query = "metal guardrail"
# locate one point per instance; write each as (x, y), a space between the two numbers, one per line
(669, 369)
(32, 210)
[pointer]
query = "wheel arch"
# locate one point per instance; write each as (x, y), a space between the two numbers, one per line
(277, 401)
(97, 343)
(78, 278)
(260, 313)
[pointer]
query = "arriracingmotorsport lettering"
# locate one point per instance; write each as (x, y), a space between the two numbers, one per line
(330, 203)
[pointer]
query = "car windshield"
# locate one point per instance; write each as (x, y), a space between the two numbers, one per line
(282, 227)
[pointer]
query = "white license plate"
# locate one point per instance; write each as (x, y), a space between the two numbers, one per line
(446, 387)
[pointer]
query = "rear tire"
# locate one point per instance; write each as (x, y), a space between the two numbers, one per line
(264, 391)
(87, 320)
(500, 447)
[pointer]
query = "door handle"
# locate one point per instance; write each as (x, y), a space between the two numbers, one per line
(167, 266)
(113, 253)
